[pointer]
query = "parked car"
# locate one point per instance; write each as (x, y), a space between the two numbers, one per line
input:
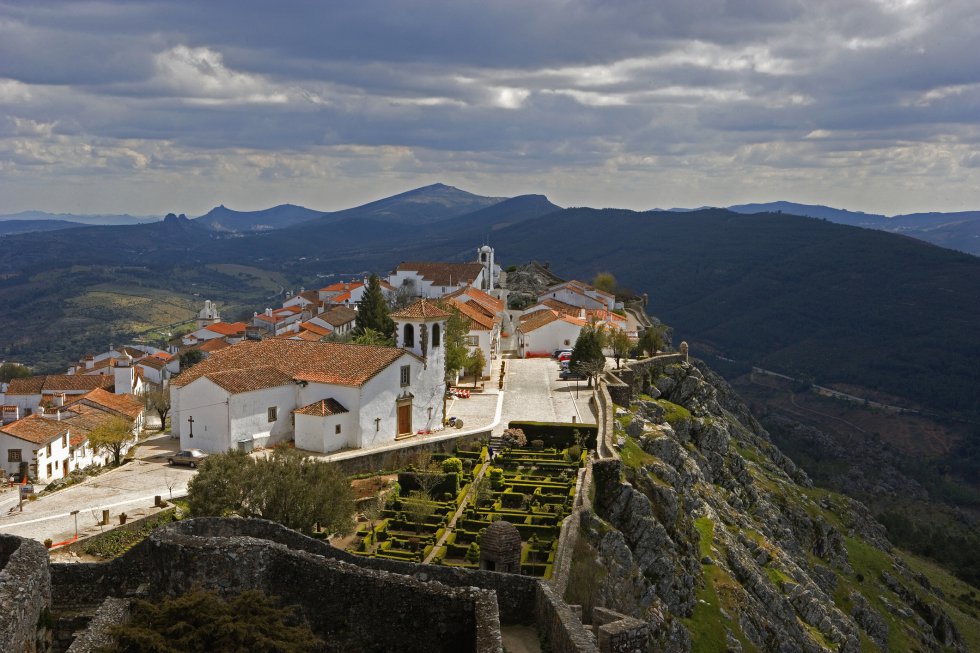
(190, 457)
(569, 375)
(564, 357)
(559, 352)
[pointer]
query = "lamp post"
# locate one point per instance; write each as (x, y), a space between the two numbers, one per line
(74, 513)
(190, 421)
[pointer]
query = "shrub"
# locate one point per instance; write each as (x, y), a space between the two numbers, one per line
(515, 438)
(537, 445)
(574, 452)
(452, 466)
(496, 475)
(473, 553)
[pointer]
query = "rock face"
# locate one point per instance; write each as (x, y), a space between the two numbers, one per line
(706, 531)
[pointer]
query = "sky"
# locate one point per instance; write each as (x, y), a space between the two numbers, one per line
(158, 106)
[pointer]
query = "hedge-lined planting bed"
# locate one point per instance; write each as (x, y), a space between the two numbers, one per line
(534, 489)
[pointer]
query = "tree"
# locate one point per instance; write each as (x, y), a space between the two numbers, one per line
(200, 621)
(112, 435)
(285, 487)
(587, 356)
(190, 358)
(333, 336)
(457, 328)
(652, 340)
(620, 342)
(418, 506)
(11, 371)
(158, 400)
(405, 295)
(605, 281)
(372, 337)
(475, 363)
(372, 311)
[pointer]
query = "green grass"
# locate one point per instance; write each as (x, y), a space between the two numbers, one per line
(633, 456)
(674, 413)
(963, 609)
(717, 602)
(119, 540)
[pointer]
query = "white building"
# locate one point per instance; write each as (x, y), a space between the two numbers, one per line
(483, 313)
(578, 293)
(431, 280)
(325, 396)
(208, 315)
(542, 332)
(50, 443)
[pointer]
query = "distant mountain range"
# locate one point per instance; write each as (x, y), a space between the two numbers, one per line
(956, 230)
(438, 202)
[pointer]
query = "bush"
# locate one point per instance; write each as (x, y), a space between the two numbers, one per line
(452, 466)
(574, 453)
(537, 445)
(496, 476)
(473, 553)
(514, 437)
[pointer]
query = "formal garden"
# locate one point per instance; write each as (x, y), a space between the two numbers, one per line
(530, 483)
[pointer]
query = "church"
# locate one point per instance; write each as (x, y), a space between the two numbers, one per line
(324, 396)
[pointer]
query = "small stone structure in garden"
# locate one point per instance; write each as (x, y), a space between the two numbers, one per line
(500, 548)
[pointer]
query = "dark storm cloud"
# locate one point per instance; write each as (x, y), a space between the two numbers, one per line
(493, 91)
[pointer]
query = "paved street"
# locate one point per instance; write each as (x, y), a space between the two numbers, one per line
(532, 391)
(125, 489)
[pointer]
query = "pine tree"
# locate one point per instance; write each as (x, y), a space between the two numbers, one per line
(372, 311)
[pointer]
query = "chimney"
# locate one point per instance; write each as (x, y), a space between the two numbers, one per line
(59, 399)
(89, 361)
(268, 312)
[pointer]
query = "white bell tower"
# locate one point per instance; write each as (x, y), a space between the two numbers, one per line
(485, 258)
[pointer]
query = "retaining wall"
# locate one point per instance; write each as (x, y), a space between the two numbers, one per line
(25, 593)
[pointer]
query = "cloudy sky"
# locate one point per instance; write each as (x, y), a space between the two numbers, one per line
(149, 107)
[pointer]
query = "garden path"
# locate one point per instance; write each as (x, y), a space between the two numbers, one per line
(459, 511)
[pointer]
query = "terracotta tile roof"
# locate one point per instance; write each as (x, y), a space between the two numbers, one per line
(302, 334)
(53, 383)
(562, 307)
(443, 274)
(153, 362)
(477, 319)
(247, 380)
(341, 286)
(227, 329)
(211, 346)
(322, 408)
(31, 385)
(36, 429)
(423, 309)
(537, 319)
(604, 315)
(123, 404)
(323, 362)
(338, 316)
(487, 302)
(339, 298)
(162, 355)
(313, 327)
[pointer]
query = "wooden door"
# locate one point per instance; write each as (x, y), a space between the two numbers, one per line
(404, 419)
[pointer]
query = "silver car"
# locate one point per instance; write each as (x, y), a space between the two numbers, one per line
(190, 457)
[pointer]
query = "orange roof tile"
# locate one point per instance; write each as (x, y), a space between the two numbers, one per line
(36, 429)
(53, 383)
(423, 309)
(124, 404)
(562, 307)
(314, 328)
(322, 408)
(477, 319)
(323, 362)
(487, 302)
(227, 329)
(211, 346)
(537, 319)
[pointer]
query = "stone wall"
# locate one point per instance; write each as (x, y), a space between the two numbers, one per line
(399, 458)
(96, 636)
(25, 593)
(632, 375)
(560, 625)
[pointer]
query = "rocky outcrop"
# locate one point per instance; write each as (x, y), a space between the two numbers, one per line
(708, 533)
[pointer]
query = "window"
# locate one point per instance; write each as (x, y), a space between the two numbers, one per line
(273, 413)
(49, 470)
(336, 429)
(408, 340)
(47, 449)
(435, 335)
(406, 375)
(471, 341)
(13, 455)
(64, 440)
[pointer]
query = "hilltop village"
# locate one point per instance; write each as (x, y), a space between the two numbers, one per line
(293, 374)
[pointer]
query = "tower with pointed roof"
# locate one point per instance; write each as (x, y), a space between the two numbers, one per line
(421, 329)
(485, 258)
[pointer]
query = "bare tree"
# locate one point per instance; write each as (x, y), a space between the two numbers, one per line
(158, 400)
(418, 506)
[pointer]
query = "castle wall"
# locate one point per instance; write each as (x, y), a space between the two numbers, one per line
(25, 593)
